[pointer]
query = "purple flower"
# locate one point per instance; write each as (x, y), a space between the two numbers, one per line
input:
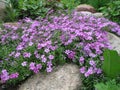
(42, 56)
(47, 50)
(82, 70)
(86, 74)
(12, 53)
(17, 54)
(53, 48)
(26, 55)
(67, 52)
(37, 56)
(38, 66)
(36, 70)
(4, 76)
(90, 70)
(19, 47)
(14, 75)
(32, 66)
(24, 63)
(49, 69)
(49, 63)
(39, 46)
(99, 71)
(92, 55)
(44, 59)
(14, 37)
(51, 57)
(30, 43)
(81, 60)
(71, 55)
(35, 52)
(92, 63)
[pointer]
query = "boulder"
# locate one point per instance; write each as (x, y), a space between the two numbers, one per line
(66, 77)
(85, 7)
(2, 8)
(114, 42)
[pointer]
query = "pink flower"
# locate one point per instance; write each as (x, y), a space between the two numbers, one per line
(30, 43)
(38, 66)
(92, 63)
(24, 63)
(17, 54)
(81, 60)
(19, 47)
(99, 71)
(47, 50)
(26, 55)
(51, 57)
(4, 76)
(44, 59)
(14, 75)
(32, 66)
(49, 69)
(87, 74)
(82, 69)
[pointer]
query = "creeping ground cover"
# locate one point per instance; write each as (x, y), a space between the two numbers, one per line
(40, 45)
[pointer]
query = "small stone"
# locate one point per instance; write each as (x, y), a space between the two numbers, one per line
(84, 13)
(98, 14)
(12, 24)
(114, 42)
(66, 77)
(85, 7)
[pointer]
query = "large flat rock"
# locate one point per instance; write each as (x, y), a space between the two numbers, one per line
(114, 42)
(66, 77)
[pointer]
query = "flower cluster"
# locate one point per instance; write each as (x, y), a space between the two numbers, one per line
(6, 76)
(34, 67)
(39, 43)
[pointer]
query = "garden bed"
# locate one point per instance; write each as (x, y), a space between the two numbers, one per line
(39, 44)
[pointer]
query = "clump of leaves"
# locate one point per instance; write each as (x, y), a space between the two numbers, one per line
(112, 11)
(70, 4)
(11, 13)
(110, 85)
(111, 64)
(16, 10)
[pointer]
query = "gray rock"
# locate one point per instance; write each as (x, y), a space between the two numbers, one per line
(66, 77)
(114, 42)
(98, 14)
(84, 13)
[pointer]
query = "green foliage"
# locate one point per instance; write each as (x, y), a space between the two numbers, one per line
(32, 8)
(70, 4)
(111, 64)
(112, 11)
(16, 10)
(110, 85)
(10, 10)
